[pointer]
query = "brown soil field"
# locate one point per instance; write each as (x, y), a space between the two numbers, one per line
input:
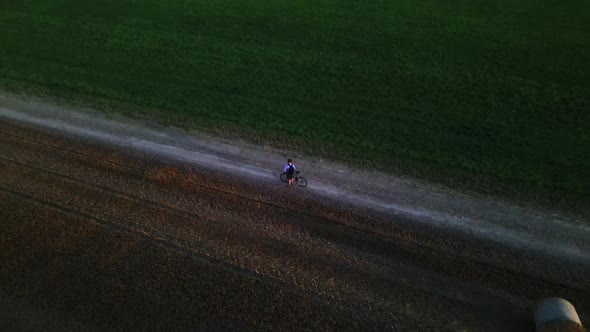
(96, 237)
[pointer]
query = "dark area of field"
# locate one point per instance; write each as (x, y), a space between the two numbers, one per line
(93, 237)
(487, 89)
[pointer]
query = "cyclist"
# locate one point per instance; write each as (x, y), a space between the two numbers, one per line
(290, 171)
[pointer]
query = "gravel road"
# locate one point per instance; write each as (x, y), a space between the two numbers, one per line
(98, 236)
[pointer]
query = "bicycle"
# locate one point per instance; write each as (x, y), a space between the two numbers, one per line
(300, 180)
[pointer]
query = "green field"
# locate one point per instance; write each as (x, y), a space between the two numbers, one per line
(495, 90)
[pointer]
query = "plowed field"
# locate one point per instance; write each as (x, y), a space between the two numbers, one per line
(96, 237)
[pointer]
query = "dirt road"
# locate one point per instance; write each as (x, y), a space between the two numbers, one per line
(97, 236)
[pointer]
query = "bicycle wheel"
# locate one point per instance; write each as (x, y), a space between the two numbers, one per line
(284, 177)
(302, 182)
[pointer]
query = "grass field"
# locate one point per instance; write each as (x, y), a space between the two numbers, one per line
(497, 90)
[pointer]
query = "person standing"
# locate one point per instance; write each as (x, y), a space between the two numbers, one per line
(290, 171)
